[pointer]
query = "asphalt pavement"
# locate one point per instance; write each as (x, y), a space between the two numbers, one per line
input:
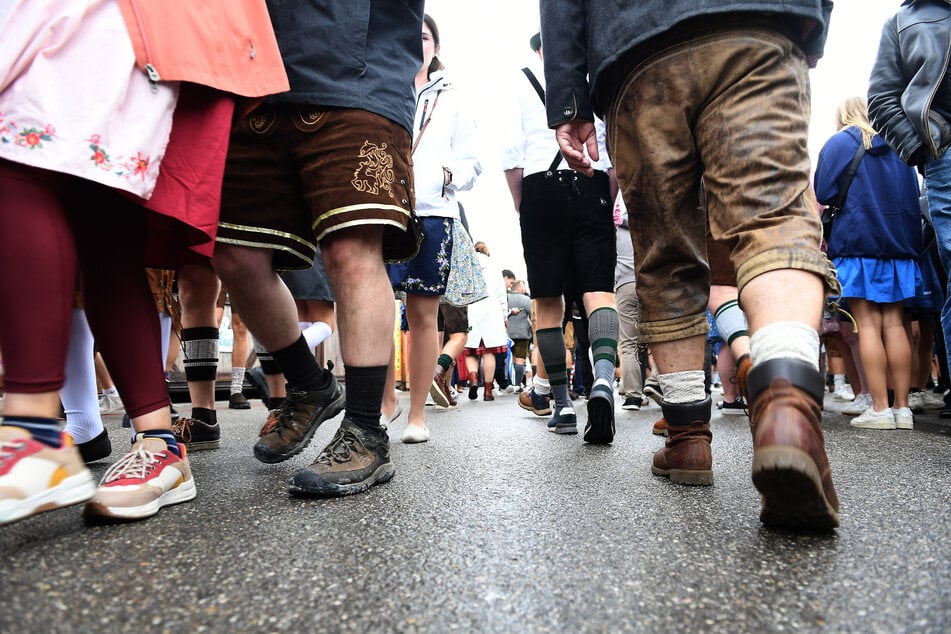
(497, 525)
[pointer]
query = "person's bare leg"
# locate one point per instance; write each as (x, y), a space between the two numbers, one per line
(421, 314)
(897, 351)
(872, 350)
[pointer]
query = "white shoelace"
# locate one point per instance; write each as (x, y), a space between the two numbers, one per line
(136, 464)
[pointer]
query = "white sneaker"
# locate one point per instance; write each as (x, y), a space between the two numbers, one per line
(861, 403)
(904, 419)
(111, 404)
(143, 481)
(922, 401)
(844, 393)
(415, 433)
(871, 419)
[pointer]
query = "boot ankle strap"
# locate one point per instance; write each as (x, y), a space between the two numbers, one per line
(683, 414)
(799, 373)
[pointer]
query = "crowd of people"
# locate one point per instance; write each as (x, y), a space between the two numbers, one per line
(671, 223)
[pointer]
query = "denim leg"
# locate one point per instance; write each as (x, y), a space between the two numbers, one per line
(938, 179)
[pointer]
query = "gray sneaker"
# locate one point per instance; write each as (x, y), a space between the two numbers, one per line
(564, 421)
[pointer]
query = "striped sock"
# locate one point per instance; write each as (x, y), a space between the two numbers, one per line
(603, 329)
(551, 347)
(167, 436)
(44, 430)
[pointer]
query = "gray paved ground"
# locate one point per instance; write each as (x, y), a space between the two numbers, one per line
(496, 525)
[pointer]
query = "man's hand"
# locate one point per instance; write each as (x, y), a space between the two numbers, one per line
(573, 138)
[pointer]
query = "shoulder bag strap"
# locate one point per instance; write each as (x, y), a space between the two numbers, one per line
(847, 176)
(541, 94)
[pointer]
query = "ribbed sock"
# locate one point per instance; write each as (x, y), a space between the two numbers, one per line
(200, 348)
(268, 366)
(444, 361)
(683, 387)
(237, 380)
(785, 340)
(167, 436)
(731, 321)
(365, 386)
(316, 333)
(83, 420)
(205, 415)
(603, 332)
(551, 347)
(838, 382)
(44, 430)
(300, 367)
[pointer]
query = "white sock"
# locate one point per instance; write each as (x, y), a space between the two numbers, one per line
(316, 333)
(110, 390)
(785, 340)
(83, 421)
(237, 380)
(838, 381)
(541, 386)
(682, 387)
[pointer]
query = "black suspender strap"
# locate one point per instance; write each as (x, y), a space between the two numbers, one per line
(541, 95)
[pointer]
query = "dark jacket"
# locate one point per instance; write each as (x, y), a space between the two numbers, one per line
(909, 92)
(880, 217)
(360, 54)
(584, 39)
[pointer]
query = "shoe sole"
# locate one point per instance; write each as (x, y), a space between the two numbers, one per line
(264, 454)
(599, 430)
(324, 489)
(75, 489)
(245, 406)
(733, 412)
(438, 397)
(564, 429)
(202, 445)
(653, 394)
(184, 492)
(791, 486)
(631, 408)
(887, 426)
(904, 425)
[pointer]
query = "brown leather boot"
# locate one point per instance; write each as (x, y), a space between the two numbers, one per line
(685, 457)
(743, 365)
(790, 466)
(660, 427)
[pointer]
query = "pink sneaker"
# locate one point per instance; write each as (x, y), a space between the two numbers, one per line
(143, 481)
(35, 477)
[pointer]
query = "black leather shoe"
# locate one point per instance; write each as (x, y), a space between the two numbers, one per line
(238, 401)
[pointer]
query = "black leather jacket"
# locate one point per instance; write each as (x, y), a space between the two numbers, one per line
(909, 94)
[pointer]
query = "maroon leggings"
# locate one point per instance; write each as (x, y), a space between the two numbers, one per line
(49, 222)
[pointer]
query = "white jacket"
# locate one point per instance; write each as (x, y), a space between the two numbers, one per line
(487, 316)
(449, 140)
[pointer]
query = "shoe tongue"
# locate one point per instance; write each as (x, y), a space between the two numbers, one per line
(10, 432)
(155, 445)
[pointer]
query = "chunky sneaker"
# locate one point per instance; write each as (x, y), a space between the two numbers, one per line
(790, 466)
(196, 434)
(872, 419)
(564, 421)
(287, 434)
(538, 404)
(440, 393)
(110, 404)
(143, 481)
(35, 477)
(904, 419)
(736, 408)
(415, 433)
(599, 429)
(652, 390)
(95, 449)
(355, 460)
(238, 401)
(861, 403)
(632, 402)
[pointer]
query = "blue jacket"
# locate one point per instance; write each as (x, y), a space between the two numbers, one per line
(361, 54)
(880, 217)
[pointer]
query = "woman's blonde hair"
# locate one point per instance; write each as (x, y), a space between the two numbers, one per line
(854, 111)
(482, 247)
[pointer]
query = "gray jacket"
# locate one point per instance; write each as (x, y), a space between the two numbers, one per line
(583, 39)
(909, 92)
(361, 54)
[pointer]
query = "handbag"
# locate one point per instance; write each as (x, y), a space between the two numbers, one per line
(834, 208)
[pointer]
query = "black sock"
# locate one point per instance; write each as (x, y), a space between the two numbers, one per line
(365, 388)
(205, 415)
(300, 367)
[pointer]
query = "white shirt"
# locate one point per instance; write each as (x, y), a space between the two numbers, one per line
(527, 141)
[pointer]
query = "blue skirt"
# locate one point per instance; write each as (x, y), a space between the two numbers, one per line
(428, 272)
(880, 281)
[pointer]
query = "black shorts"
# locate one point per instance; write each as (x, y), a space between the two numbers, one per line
(567, 224)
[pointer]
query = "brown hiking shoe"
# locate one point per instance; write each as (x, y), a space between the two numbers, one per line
(790, 466)
(686, 457)
(355, 460)
(660, 427)
(286, 434)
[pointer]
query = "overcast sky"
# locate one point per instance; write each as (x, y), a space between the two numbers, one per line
(485, 43)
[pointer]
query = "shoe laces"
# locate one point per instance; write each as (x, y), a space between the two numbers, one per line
(9, 450)
(340, 449)
(135, 465)
(281, 418)
(182, 428)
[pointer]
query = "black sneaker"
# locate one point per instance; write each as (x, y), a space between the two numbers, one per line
(736, 408)
(599, 430)
(96, 449)
(632, 402)
(287, 434)
(196, 434)
(564, 421)
(238, 401)
(355, 460)
(652, 390)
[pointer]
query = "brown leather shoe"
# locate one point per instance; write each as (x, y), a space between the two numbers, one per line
(743, 365)
(660, 427)
(440, 391)
(790, 466)
(487, 395)
(686, 457)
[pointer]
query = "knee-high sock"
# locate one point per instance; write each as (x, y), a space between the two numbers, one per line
(603, 329)
(83, 421)
(551, 347)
